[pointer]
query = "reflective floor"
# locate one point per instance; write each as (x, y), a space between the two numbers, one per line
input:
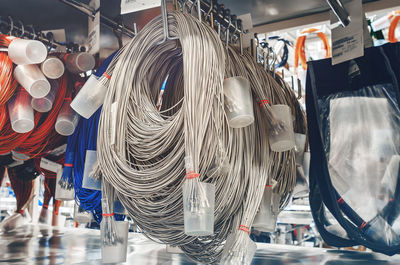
(39, 244)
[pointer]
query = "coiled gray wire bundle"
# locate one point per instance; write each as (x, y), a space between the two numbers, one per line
(143, 159)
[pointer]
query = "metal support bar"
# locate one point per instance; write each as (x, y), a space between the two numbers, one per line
(19, 30)
(340, 12)
(87, 10)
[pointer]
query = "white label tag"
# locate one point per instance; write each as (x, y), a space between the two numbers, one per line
(59, 36)
(59, 150)
(129, 6)
(114, 108)
(16, 163)
(94, 29)
(247, 21)
(348, 42)
(49, 165)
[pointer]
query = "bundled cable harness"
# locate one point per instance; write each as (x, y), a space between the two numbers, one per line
(142, 151)
(84, 139)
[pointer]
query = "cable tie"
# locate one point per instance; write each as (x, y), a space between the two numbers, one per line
(363, 224)
(340, 200)
(107, 214)
(107, 76)
(68, 165)
(244, 228)
(192, 175)
(263, 102)
(66, 56)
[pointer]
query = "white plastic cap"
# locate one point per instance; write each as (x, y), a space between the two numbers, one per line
(238, 102)
(67, 120)
(90, 97)
(46, 103)
(79, 62)
(198, 215)
(52, 67)
(23, 51)
(32, 79)
(21, 112)
(116, 253)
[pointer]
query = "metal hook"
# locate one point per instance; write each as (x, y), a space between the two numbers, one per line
(241, 43)
(265, 60)
(274, 58)
(199, 10)
(22, 29)
(227, 31)
(219, 29)
(33, 31)
(11, 25)
(299, 93)
(183, 5)
(209, 11)
(191, 7)
(164, 15)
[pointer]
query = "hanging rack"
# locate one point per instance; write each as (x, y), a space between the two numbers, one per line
(218, 16)
(90, 12)
(18, 29)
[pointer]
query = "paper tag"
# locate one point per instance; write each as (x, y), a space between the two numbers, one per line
(59, 150)
(94, 28)
(49, 165)
(129, 6)
(348, 42)
(114, 108)
(247, 21)
(19, 156)
(16, 163)
(273, 183)
(59, 36)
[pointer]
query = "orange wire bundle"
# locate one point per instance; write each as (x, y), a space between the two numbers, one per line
(300, 52)
(7, 83)
(44, 137)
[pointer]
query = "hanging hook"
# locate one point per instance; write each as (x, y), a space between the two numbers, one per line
(33, 32)
(209, 12)
(239, 24)
(50, 38)
(227, 29)
(11, 25)
(22, 29)
(164, 15)
(199, 10)
(299, 93)
(218, 29)
(183, 5)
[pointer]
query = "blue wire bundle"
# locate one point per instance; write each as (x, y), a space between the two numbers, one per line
(83, 139)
